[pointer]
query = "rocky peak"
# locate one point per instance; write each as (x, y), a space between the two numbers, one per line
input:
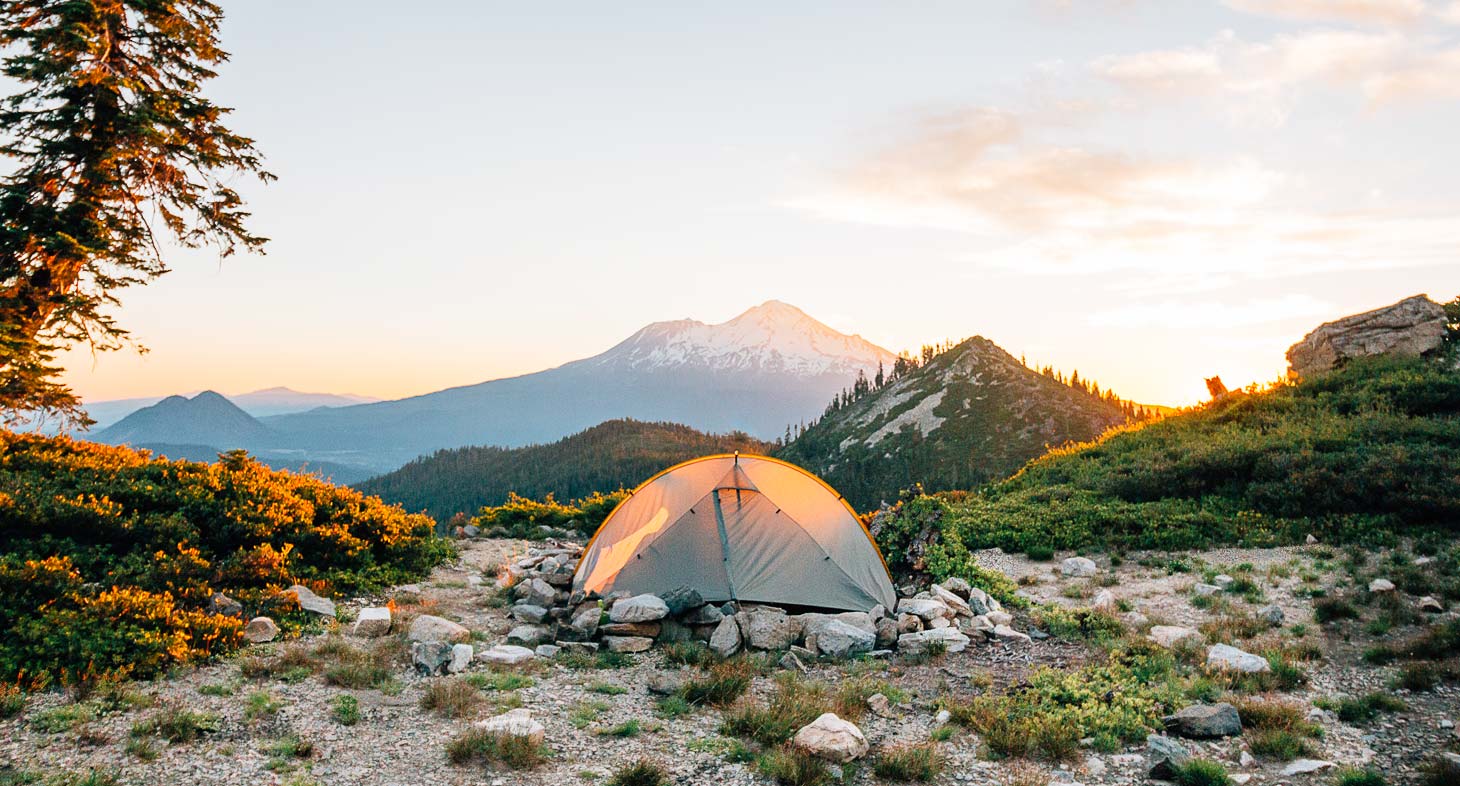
(1411, 327)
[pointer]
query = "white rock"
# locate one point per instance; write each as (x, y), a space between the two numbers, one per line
(372, 623)
(1203, 590)
(1225, 656)
(260, 629)
(507, 655)
(628, 643)
(1429, 604)
(1104, 601)
(1310, 540)
(1078, 567)
(1006, 633)
(953, 641)
(1223, 581)
(725, 641)
(528, 635)
(516, 723)
(928, 609)
(951, 600)
(942, 717)
(1000, 617)
(1381, 585)
(1246, 759)
(429, 628)
(1305, 766)
(839, 639)
(460, 658)
(1168, 635)
(831, 738)
(546, 650)
(311, 602)
(879, 705)
(640, 608)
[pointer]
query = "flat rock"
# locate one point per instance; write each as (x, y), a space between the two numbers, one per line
(704, 615)
(682, 599)
(952, 639)
(529, 613)
(372, 623)
(1202, 590)
(1378, 586)
(627, 643)
(665, 683)
(507, 655)
(1430, 605)
(957, 586)
(1225, 656)
(639, 608)
(838, 639)
(260, 629)
(311, 602)
(528, 635)
(1006, 633)
(1305, 766)
(1168, 635)
(1078, 567)
(951, 600)
(516, 723)
(831, 738)
(546, 650)
(649, 629)
(926, 609)
(431, 628)
(1204, 721)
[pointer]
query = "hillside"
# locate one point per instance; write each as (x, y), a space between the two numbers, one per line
(611, 455)
(1364, 453)
(969, 415)
(109, 558)
(205, 419)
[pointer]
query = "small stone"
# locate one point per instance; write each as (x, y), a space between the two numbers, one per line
(431, 657)
(1168, 635)
(1225, 656)
(1006, 633)
(1000, 618)
(311, 602)
(665, 683)
(546, 650)
(1105, 601)
(790, 662)
(1379, 586)
(1203, 590)
(528, 613)
(1305, 766)
(879, 705)
(1078, 567)
(627, 643)
(647, 629)
(704, 615)
(430, 628)
(507, 655)
(1094, 767)
(1223, 581)
(682, 599)
(1163, 756)
(579, 647)
(260, 629)
(725, 641)
(639, 608)
(536, 592)
(1430, 605)
(942, 717)
(1204, 721)
(372, 623)
(1272, 614)
(1246, 759)
(1446, 723)
(950, 599)
(831, 738)
(516, 723)
(1310, 540)
(460, 658)
(528, 635)
(957, 586)
(926, 609)
(219, 603)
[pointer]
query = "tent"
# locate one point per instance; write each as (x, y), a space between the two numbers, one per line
(732, 527)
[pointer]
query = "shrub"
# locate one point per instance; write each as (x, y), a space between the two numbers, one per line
(1039, 553)
(1278, 744)
(1352, 776)
(518, 753)
(585, 713)
(920, 763)
(1089, 624)
(1333, 609)
(176, 724)
(721, 685)
(1365, 708)
(1200, 772)
(793, 703)
(12, 700)
(669, 707)
(644, 772)
(607, 689)
(345, 709)
(260, 704)
(110, 556)
(689, 653)
(791, 767)
(628, 728)
(451, 698)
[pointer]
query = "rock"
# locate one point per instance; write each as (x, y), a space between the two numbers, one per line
(516, 723)
(1246, 760)
(877, 612)
(460, 658)
(529, 635)
(1411, 327)
(980, 624)
(1306, 766)
(704, 615)
(1163, 756)
(1310, 540)
(926, 609)
(942, 717)
(372, 623)
(1378, 586)
(913, 643)
(1225, 656)
(507, 655)
(682, 599)
(886, 632)
(1094, 767)
(1078, 567)
(546, 650)
(260, 629)
(1168, 635)
(218, 603)
(909, 623)
(879, 705)
(583, 625)
(725, 641)
(647, 629)
(429, 628)
(979, 602)
(311, 602)
(639, 608)
(767, 628)
(838, 639)
(431, 657)
(1136, 620)
(1204, 721)
(831, 738)
(665, 683)
(1272, 614)
(1223, 581)
(579, 647)
(1429, 605)
(1000, 618)
(1202, 590)
(536, 592)
(949, 599)
(1105, 601)
(791, 662)
(671, 630)
(627, 643)
(528, 613)
(1008, 634)
(938, 622)
(957, 586)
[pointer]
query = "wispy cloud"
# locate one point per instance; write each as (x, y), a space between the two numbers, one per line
(1178, 314)
(1366, 12)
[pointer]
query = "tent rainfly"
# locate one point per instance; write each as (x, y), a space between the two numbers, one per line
(732, 527)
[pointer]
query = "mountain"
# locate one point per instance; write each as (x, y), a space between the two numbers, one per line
(205, 419)
(612, 455)
(259, 403)
(768, 367)
(968, 415)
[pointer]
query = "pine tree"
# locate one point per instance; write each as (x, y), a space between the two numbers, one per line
(108, 136)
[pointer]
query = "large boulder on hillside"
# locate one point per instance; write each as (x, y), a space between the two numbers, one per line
(1204, 721)
(1078, 567)
(767, 628)
(831, 738)
(372, 623)
(839, 639)
(1412, 326)
(1227, 657)
(639, 608)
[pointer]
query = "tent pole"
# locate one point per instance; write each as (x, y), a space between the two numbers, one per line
(724, 544)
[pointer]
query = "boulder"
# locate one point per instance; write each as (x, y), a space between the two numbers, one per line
(913, 643)
(767, 628)
(926, 609)
(1105, 601)
(886, 632)
(431, 657)
(1006, 633)
(583, 625)
(682, 599)
(1223, 581)
(951, 600)
(1204, 721)
(536, 592)
(1168, 635)
(1163, 756)
(1430, 605)
(1225, 656)
(429, 628)
(649, 629)
(704, 615)
(1380, 586)
(831, 738)
(372, 623)
(311, 602)
(838, 639)
(957, 586)
(1202, 590)
(529, 635)
(546, 650)
(460, 658)
(665, 683)
(639, 608)
(1305, 766)
(506, 655)
(1078, 567)
(725, 641)
(999, 618)
(1411, 327)
(260, 629)
(909, 623)
(627, 643)
(529, 613)
(218, 603)
(516, 723)
(1272, 614)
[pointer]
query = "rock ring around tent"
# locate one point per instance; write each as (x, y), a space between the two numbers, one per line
(742, 528)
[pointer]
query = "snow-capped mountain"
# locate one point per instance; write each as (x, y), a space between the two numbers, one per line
(770, 367)
(773, 337)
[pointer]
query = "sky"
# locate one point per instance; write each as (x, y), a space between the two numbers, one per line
(1148, 191)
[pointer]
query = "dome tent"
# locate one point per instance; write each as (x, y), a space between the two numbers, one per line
(732, 527)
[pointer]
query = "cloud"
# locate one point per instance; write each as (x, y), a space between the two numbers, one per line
(1364, 12)
(1207, 315)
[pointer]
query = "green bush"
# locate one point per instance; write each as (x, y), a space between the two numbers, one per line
(520, 517)
(644, 772)
(110, 556)
(1352, 776)
(1201, 772)
(921, 763)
